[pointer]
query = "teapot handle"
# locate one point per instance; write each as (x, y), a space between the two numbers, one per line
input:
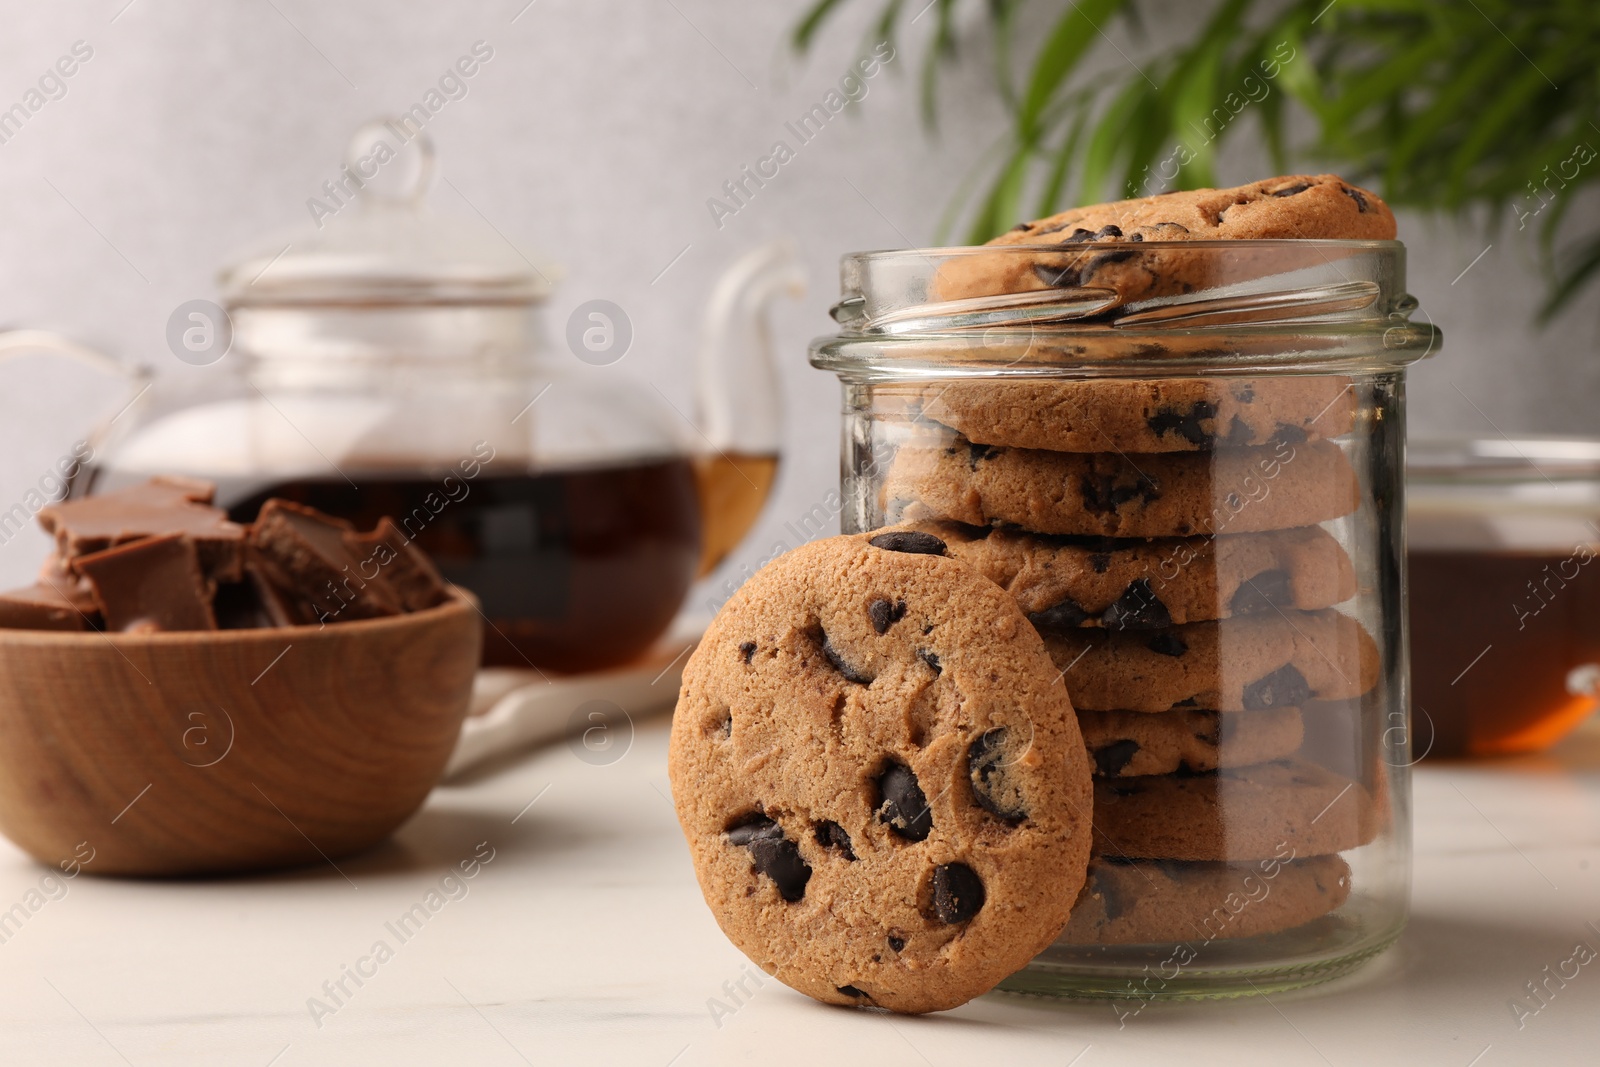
(15, 343)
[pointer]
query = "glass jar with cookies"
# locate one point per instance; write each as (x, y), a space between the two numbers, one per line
(1173, 431)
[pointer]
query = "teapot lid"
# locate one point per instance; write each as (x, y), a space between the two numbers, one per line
(375, 241)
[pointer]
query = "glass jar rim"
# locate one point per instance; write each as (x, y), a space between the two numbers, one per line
(1124, 308)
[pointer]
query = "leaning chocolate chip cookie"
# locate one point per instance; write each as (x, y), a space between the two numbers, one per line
(1126, 744)
(1066, 583)
(1153, 901)
(879, 775)
(1171, 415)
(1252, 663)
(1114, 494)
(1098, 246)
(1284, 808)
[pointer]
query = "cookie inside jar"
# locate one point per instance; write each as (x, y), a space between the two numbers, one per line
(1170, 430)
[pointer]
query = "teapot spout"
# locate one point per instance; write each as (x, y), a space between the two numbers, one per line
(739, 399)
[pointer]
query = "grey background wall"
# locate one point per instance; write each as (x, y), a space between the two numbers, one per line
(593, 138)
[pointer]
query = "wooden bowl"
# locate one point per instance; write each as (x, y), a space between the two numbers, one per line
(201, 753)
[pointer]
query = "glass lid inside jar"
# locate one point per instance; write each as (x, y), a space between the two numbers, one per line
(372, 239)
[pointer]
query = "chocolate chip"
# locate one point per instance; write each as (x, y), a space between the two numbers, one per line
(1103, 495)
(1168, 644)
(1110, 760)
(1244, 394)
(1290, 434)
(977, 453)
(1186, 424)
(1266, 590)
(885, 614)
(1056, 277)
(1212, 734)
(1078, 236)
(1187, 702)
(1022, 227)
(902, 805)
(1108, 230)
(831, 835)
(1355, 194)
(1105, 259)
(1285, 687)
(1239, 433)
(747, 650)
(1138, 608)
(849, 672)
(912, 541)
(773, 855)
(850, 991)
(753, 828)
(930, 659)
(1290, 190)
(1059, 618)
(958, 893)
(1100, 886)
(1100, 562)
(896, 943)
(1136, 237)
(991, 787)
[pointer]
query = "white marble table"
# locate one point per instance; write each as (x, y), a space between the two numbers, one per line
(584, 940)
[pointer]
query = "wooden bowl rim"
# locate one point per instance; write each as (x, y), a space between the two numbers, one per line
(460, 603)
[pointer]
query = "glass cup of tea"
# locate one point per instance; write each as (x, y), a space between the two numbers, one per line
(1504, 592)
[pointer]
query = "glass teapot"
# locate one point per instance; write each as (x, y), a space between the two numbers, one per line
(390, 361)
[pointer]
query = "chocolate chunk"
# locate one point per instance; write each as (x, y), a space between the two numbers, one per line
(1186, 424)
(994, 791)
(992, 788)
(1168, 644)
(773, 855)
(1285, 687)
(930, 659)
(849, 672)
(239, 606)
(831, 835)
(1056, 277)
(1059, 618)
(850, 991)
(896, 943)
(913, 541)
(902, 805)
(1290, 190)
(389, 556)
(753, 827)
(162, 505)
(304, 554)
(1290, 434)
(885, 614)
(747, 650)
(1138, 608)
(1267, 590)
(42, 607)
(1108, 230)
(958, 893)
(1102, 494)
(1100, 562)
(1100, 886)
(150, 586)
(1110, 760)
(1355, 194)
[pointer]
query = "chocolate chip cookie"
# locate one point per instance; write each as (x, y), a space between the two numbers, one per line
(1067, 583)
(1098, 246)
(1126, 744)
(1170, 415)
(1236, 813)
(1114, 494)
(1153, 901)
(879, 775)
(1251, 663)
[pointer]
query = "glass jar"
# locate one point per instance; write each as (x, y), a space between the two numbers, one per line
(391, 360)
(1184, 459)
(1505, 601)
